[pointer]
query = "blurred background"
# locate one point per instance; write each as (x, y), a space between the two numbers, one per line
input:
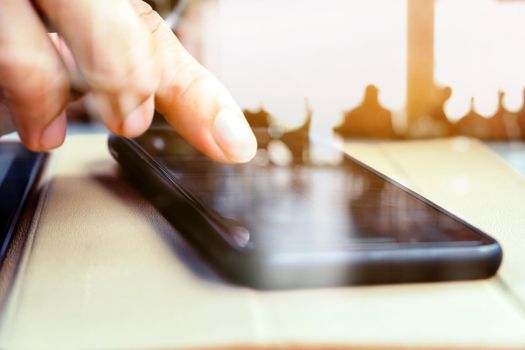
(380, 69)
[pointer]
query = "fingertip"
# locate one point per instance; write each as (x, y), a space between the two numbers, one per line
(199, 107)
(51, 137)
(130, 124)
(54, 134)
(234, 136)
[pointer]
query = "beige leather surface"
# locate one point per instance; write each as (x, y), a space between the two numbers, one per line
(102, 270)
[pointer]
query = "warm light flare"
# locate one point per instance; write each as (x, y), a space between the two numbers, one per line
(479, 48)
(279, 52)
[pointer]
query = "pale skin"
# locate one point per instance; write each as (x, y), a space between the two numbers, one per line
(125, 62)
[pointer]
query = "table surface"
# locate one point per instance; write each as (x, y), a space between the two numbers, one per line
(513, 153)
(102, 269)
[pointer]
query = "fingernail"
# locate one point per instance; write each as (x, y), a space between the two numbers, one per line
(234, 136)
(53, 135)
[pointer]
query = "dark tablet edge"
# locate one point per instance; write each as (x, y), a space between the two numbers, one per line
(20, 229)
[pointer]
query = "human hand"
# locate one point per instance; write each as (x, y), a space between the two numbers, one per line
(125, 61)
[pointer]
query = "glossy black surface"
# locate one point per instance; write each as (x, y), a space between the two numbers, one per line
(305, 207)
(6, 160)
(18, 170)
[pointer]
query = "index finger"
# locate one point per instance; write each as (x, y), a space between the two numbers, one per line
(194, 102)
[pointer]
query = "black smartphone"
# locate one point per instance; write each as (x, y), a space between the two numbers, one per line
(302, 225)
(19, 170)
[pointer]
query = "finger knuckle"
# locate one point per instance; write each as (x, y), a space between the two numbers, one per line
(151, 19)
(187, 79)
(137, 71)
(134, 80)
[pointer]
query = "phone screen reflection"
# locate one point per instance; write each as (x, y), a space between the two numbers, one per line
(306, 205)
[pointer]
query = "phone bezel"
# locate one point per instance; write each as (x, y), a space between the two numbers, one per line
(15, 188)
(226, 254)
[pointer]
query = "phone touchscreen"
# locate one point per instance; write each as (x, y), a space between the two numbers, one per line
(306, 206)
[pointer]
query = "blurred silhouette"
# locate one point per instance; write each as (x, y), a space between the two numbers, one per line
(500, 127)
(298, 140)
(420, 60)
(260, 121)
(259, 118)
(368, 120)
(436, 123)
(520, 118)
(473, 124)
(441, 124)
